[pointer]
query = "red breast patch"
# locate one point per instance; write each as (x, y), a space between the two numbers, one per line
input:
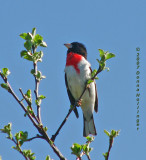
(73, 59)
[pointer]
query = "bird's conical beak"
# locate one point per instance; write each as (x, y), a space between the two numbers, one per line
(68, 45)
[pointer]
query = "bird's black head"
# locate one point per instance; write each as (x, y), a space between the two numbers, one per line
(78, 48)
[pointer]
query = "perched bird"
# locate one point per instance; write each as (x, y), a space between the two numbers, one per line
(77, 72)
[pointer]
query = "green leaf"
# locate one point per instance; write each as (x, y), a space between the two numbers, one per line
(28, 56)
(102, 64)
(5, 72)
(105, 55)
(105, 155)
(28, 93)
(43, 44)
(98, 61)
(28, 45)
(23, 35)
(90, 139)
(7, 129)
(21, 137)
(16, 148)
(28, 97)
(33, 71)
(10, 136)
(94, 72)
(34, 32)
(45, 129)
(29, 154)
(87, 149)
(76, 149)
(24, 135)
(48, 158)
(29, 36)
(23, 53)
(39, 75)
(17, 136)
(30, 111)
(38, 39)
(109, 55)
(107, 133)
(101, 52)
(114, 133)
(37, 56)
(90, 81)
(38, 102)
(25, 114)
(5, 86)
(42, 97)
(26, 36)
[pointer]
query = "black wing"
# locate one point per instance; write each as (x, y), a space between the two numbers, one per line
(96, 97)
(96, 100)
(71, 98)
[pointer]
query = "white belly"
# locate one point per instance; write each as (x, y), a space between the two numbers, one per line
(76, 81)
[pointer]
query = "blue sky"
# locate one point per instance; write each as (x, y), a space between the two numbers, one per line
(116, 26)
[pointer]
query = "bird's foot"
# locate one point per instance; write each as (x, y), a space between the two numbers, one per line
(79, 103)
(88, 86)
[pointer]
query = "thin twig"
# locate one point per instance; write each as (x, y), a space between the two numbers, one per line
(20, 151)
(36, 92)
(65, 119)
(28, 104)
(37, 82)
(71, 109)
(30, 139)
(88, 157)
(82, 153)
(110, 146)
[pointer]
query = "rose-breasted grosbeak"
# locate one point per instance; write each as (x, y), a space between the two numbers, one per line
(77, 72)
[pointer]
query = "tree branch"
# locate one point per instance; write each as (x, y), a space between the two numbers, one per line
(39, 127)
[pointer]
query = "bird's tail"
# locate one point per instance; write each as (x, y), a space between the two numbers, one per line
(89, 127)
